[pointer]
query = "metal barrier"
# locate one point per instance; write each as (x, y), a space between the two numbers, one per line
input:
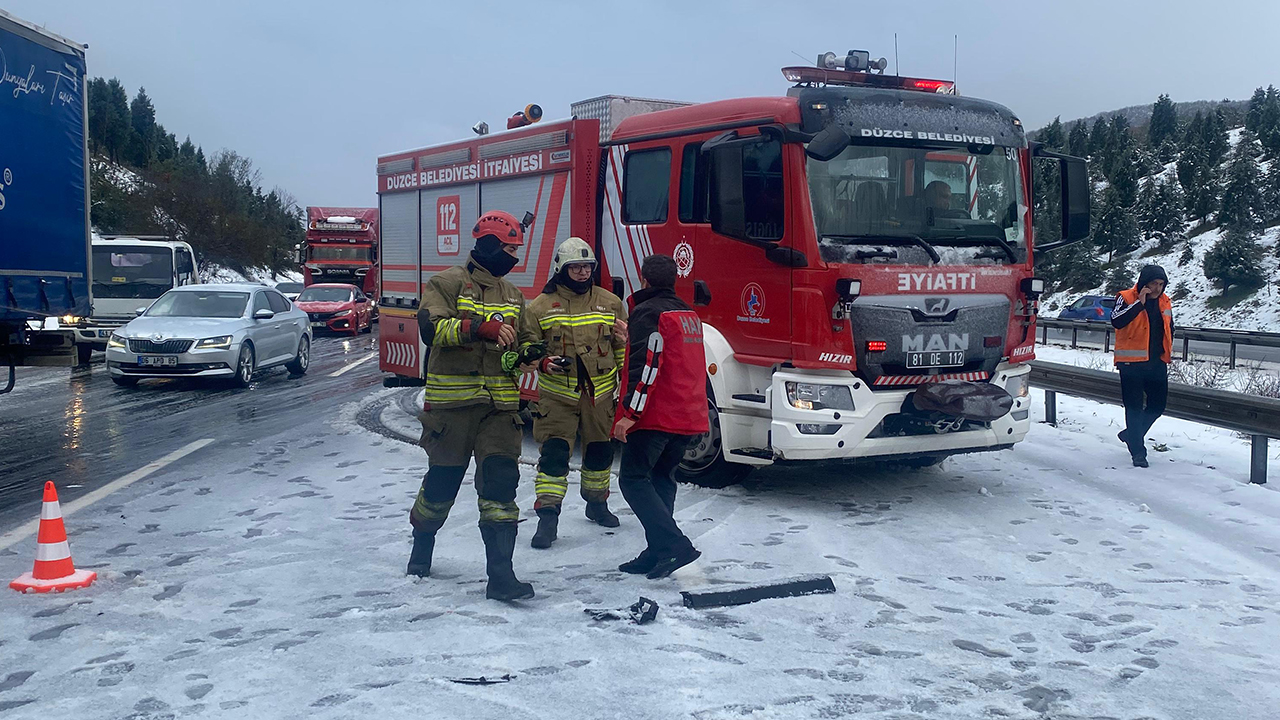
(1258, 417)
(1224, 336)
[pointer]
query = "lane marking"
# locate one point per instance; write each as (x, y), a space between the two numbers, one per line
(22, 532)
(353, 365)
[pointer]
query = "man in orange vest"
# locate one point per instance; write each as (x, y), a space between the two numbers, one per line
(1143, 318)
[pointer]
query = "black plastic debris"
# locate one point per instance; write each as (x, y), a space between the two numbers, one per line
(796, 587)
(640, 612)
(482, 680)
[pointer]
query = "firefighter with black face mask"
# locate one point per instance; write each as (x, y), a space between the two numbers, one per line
(585, 331)
(481, 337)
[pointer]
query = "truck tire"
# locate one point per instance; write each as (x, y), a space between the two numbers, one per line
(83, 352)
(300, 362)
(704, 464)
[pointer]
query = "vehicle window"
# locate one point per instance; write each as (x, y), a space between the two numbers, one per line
(1109, 303)
(185, 266)
(325, 294)
(762, 189)
(260, 302)
(693, 185)
(646, 186)
(1080, 303)
(131, 272)
(289, 287)
(277, 301)
(199, 303)
(339, 252)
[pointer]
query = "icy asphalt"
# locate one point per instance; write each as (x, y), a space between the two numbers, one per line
(261, 576)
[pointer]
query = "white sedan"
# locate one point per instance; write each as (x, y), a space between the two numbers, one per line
(224, 331)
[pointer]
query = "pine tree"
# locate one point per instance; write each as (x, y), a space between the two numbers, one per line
(1269, 122)
(97, 114)
(142, 139)
(1077, 267)
(1098, 137)
(1164, 122)
(1124, 178)
(1242, 198)
(1235, 260)
(1160, 215)
(1078, 139)
(1270, 209)
(1053, 136)
(116, 126)
(1117, 230)
(1253, 118)
(1215, 143)
(1119, 279)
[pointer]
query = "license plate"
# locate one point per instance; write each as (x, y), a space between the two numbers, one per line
(317, 324)
(158, 360)
(940, 359)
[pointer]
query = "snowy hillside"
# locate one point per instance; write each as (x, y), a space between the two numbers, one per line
(211, 273)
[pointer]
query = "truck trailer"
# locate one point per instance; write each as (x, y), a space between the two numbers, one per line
(847, 245)
(45, 271)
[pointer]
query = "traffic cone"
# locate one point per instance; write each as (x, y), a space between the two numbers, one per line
(53, 570)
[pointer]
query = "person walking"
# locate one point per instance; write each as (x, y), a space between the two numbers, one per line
(585, 330)
(480, 337)
(662, 408)
(1143, 318)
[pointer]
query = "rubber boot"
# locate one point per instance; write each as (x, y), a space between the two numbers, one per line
(548, 521)
(598, 512)
(499, 546)
(424, 542)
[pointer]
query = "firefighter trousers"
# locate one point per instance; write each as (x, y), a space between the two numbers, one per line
(451, 437)
(557, 422)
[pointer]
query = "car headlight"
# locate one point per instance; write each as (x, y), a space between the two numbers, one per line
(344, 313)
(115, 341)
(1019, 386)
(809, 396)
(213, 343)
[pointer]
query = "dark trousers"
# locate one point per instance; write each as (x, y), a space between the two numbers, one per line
(1144, 387)
(647, 480)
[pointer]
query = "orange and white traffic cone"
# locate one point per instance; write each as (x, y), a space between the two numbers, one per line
(53, 571)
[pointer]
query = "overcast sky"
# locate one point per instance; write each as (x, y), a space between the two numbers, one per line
(314, 91)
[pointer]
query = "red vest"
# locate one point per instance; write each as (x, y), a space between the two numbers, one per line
(674, 400)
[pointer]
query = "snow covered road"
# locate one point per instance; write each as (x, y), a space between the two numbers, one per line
(1051, 581)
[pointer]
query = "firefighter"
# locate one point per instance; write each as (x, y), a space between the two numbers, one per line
(1143, 318)
(480, 337)
(584, 328)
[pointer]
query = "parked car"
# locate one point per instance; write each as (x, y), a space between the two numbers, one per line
(1094, 308)
(217, 331)
(337, 307)
(290, 289)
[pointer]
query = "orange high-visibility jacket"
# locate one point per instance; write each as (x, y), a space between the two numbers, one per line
(1134, 339)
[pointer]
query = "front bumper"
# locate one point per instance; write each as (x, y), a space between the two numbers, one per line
(876, 427)
(215, 362)
(95, 334)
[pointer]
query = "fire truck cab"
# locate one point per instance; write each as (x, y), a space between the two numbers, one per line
(846, 244)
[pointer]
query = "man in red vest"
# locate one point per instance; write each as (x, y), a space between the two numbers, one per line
(662, 407)
(1143, 318)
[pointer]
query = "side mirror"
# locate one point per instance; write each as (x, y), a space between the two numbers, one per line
(619, 287)
(263, 314)
(1075, 197)
(786, 257)
(139, 311)
(828, 143)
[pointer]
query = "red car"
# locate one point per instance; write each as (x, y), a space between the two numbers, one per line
(337, 307)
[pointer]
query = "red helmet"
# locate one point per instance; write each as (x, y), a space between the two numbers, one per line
(502, 225)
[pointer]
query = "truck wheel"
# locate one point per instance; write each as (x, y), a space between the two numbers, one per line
(83, 352)
(124, 380)
(704, 462)
(300, 362)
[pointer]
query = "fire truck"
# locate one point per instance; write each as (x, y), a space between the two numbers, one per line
(341, 247)
(846, 245)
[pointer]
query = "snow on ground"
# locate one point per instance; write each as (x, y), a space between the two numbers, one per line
(211, 273)
(1049, 581)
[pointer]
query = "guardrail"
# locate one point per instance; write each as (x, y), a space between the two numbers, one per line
(1224, 336)
(1257, 417)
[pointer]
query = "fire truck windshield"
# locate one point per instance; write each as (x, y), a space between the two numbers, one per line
(340, 252)
(913, 205)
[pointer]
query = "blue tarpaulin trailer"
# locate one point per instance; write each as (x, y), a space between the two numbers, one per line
(44, 201)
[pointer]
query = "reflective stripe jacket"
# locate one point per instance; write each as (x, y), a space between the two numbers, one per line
(464, 370)
(580, 327)
(666, 369)
(1133, 328)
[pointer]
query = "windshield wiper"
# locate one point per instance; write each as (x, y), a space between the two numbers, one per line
(896, 239)
(988, 240)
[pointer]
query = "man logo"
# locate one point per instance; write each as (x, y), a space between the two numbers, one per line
(936, 306)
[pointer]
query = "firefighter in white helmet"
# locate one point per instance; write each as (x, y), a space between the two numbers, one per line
(585, 330)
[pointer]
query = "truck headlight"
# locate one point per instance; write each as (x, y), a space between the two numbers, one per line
(71, 320)
(1019, 386)
(810, 396)
(115, 341)
(214, 343)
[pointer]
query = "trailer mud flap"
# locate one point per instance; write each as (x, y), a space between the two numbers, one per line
(400, 351)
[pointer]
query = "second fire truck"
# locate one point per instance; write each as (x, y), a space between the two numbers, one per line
(847, 245)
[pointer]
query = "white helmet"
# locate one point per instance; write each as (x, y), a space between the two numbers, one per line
(571, 252)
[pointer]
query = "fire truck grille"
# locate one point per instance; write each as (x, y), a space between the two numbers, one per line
(929, 335)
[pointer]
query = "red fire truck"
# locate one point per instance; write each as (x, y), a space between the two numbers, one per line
(845, 245)
(342, 247)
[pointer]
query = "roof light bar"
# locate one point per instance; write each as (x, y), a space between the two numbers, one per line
(833, 76)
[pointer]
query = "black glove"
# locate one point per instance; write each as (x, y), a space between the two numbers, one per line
(533, 352)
